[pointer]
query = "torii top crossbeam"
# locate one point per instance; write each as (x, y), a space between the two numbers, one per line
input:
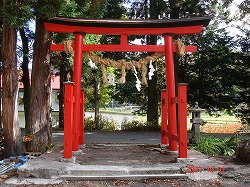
(128, 27)
(125, 28)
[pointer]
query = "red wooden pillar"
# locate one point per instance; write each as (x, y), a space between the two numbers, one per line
(182, 122)
(81, 124)
(170, 82)
(68, 119)
(77, 74)
(164, 117)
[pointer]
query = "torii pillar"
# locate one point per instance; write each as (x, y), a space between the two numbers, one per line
(77, 74)
(170, 83)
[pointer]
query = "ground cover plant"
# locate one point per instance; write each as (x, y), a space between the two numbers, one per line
(214, 146)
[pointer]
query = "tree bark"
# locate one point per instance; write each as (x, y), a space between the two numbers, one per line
(13, 144)
(97, 101)
(61, 96)
(39, 123)
(152, 110)
(25, 78)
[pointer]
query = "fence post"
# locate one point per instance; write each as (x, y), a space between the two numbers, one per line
(164, 117)
(182, 122)
(68, 119)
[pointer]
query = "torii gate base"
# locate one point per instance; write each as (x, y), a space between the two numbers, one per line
(70, 137)
(181, 138)
(74, 97)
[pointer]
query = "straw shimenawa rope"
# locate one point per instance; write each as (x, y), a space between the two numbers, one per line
(181, 47)
(104, 75)
(122, 64)
(68, 47)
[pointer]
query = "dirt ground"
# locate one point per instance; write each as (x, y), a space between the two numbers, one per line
(125, 154)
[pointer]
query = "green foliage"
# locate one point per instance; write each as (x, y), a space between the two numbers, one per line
(217, 74)
(243, 112)
(104, 124)
(15, 13)
(114, 9)
(213, 146)
(139, 126)
(47, 9)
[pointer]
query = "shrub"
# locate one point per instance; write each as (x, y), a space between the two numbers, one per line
(89, 123)
(139, 126)
(104, 124)
(213, 146)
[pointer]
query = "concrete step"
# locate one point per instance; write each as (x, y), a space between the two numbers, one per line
(124, 177)
(124, 170)
(39, 168)
(106, 172)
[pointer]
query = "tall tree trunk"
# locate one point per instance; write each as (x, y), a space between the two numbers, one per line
(152, 110)
(174, 14)
(25, 78)
(13, 144)
(61, 95)
(97, 101)
(39, 124)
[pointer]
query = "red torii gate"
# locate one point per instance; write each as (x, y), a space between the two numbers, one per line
(74, 98)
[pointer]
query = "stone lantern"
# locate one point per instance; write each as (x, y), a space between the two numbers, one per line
(196, 122)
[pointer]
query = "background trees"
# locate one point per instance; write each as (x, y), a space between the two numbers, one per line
(10, 22)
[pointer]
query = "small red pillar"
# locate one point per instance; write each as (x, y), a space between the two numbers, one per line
(170, 82)
(164, 117)
(77, 75)
(182, 122)
(68, 119)
(81, 124)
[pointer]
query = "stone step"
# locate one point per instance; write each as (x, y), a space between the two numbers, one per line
(123, 177)
(108, 170)
(39, 168)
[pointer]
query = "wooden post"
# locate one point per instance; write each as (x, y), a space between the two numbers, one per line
(81, 124)
(164, 117)
(77, 74)
(68, 119)
(170, 82)
(182, 122)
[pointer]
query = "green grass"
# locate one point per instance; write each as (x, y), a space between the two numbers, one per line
(213, 146)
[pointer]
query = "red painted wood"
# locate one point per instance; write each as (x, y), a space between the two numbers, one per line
(77, 75)
(122, 48)
(68, 119)
(164, 117)
(170, 82)
(53, 27)
(81, 124)
(124, 40)
(182, 122)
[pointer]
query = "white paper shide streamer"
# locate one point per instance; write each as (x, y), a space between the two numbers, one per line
(111, 78)
(138, 82)
(151, 70)
(92, 64)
